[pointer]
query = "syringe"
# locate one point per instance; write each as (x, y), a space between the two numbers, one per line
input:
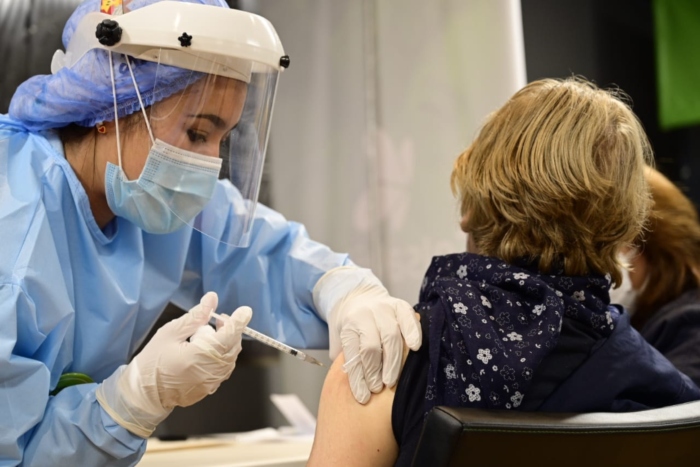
(275, 344)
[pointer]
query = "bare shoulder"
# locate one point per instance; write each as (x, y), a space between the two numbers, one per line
(349, 433)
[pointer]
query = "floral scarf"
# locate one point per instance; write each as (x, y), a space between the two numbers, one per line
(491, 323)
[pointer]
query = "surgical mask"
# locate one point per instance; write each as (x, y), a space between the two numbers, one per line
(173, 188)
(174, 185)
(625, 295)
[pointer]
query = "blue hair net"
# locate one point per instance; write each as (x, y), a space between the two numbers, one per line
(82, 94)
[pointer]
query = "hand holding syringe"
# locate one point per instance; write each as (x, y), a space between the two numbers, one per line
(270, 341)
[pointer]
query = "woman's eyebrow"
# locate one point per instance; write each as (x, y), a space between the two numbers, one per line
(215, 119)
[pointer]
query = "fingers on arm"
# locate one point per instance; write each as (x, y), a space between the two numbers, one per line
(392, 349)
(371, 352)
(409, 323)
(355, 366)
(397, 330)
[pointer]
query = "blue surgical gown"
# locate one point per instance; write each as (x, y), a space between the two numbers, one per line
(75, 298)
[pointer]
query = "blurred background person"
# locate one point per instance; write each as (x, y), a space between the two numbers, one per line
(661, 290)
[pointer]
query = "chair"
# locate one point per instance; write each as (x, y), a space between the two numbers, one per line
(661, 437)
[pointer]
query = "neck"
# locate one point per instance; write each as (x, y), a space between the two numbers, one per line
(83, 155)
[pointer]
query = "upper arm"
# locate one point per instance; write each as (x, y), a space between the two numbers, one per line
(349, 433)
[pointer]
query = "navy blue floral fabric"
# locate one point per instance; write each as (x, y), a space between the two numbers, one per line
(491, 323)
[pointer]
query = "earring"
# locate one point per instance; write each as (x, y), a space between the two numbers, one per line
(101, 128)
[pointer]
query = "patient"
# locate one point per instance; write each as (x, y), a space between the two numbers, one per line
(663, 293)
(551, 188)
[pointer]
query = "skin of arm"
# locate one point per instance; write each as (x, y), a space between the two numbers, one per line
(349, 433)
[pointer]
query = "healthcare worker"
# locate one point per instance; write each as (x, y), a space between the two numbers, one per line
(128, 179)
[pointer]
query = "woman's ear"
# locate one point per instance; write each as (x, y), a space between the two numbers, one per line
(463, 223)
(107, 127)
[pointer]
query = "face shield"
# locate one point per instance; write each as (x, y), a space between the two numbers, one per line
(208, 97)
(224, 117)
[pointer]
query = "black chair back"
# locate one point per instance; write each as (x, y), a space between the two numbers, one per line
(661, 437)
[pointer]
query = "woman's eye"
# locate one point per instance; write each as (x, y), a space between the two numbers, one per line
(196, 136)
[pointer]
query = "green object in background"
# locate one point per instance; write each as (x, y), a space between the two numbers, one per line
(677, 36)
(70, 379)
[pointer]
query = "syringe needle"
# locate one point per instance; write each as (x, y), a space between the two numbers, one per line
(310, 359)
(275, 344)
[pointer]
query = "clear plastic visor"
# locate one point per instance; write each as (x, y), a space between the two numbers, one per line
(217, 121)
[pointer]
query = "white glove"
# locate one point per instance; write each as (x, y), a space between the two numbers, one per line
(170, 371)
(369, 325)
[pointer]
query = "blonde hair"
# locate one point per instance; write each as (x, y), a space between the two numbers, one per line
(671, 247)
(557, 175)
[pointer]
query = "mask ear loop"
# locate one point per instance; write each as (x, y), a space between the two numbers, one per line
(116, 115)
(138, 95)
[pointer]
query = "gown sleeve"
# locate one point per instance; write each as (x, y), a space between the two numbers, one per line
(275, 275)
(37, 429)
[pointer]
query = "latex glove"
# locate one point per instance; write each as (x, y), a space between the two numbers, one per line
(170, 371)
(368, 325)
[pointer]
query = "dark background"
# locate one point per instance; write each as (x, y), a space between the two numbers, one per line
(612, 43)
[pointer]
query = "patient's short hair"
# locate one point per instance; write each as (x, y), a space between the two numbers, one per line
(556, 174)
